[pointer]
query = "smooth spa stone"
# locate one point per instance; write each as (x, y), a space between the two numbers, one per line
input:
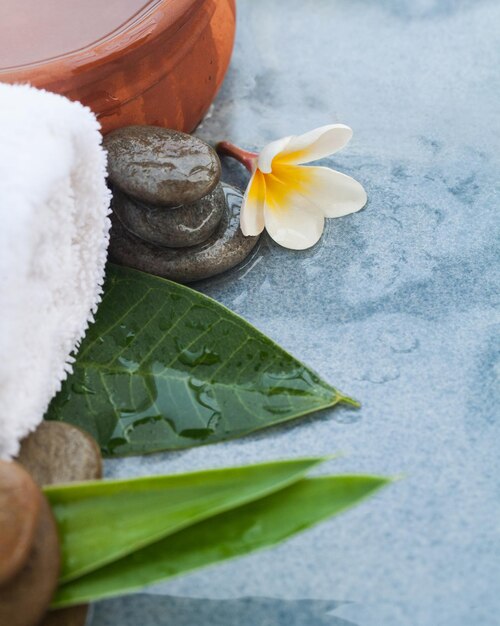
(60, 453)
(25, 598)
(20, 504)
(161, 166)
(226, 248)
(187, 225)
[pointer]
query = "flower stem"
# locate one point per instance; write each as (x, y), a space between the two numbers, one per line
(245, 157)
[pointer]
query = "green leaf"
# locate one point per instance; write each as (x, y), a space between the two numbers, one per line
(102, 521)
(165, 367)
(257, 525)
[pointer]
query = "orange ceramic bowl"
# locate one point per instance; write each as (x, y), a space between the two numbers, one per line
(155, 62)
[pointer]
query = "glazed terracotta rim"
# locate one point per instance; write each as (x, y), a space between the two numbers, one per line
(144, 25)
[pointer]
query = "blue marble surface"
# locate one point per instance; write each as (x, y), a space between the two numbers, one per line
(395, 305)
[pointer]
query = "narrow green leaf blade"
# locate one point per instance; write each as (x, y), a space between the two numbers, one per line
(102, 521)
(165, 367)
(257, 525)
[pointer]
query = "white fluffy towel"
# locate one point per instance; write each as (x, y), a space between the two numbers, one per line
(54, 229)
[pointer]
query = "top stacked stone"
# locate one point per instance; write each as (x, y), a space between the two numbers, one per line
(160, 166)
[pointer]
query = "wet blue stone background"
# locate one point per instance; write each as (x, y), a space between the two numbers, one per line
(396, 306)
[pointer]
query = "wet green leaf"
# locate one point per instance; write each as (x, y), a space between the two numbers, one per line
(102, 521)
(257, 525)
(165, 367)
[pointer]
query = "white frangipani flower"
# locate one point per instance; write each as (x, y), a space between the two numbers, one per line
(291, 201)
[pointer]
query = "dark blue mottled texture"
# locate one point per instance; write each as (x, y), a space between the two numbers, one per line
(396, 305)
(172, 611)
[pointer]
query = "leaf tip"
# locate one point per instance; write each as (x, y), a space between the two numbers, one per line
(396, 478)
(334, 456)
(342, 399)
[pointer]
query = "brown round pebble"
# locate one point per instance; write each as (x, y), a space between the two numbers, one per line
(161, 166)
(60, 453)
(20, 505)
(25, 598)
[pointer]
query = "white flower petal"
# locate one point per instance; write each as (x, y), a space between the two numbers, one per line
(316, 144)
(297, 224)
(336, 194)
(265, 159)
(252, 207)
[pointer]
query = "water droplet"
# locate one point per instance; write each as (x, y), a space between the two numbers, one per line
(276, 410)
(213, 422)
(297, 382)
(82, 389)
(197, 325)
(129, 337)
(114, 444)
(401, 342)
(383, 373)
(208, 406)
(203, 356)
(144, 421)
(129, 364)
(164, 325)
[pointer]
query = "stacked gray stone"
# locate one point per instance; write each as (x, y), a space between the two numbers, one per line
(171, 214)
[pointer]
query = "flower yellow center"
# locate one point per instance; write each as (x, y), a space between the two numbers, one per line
(280, 186)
